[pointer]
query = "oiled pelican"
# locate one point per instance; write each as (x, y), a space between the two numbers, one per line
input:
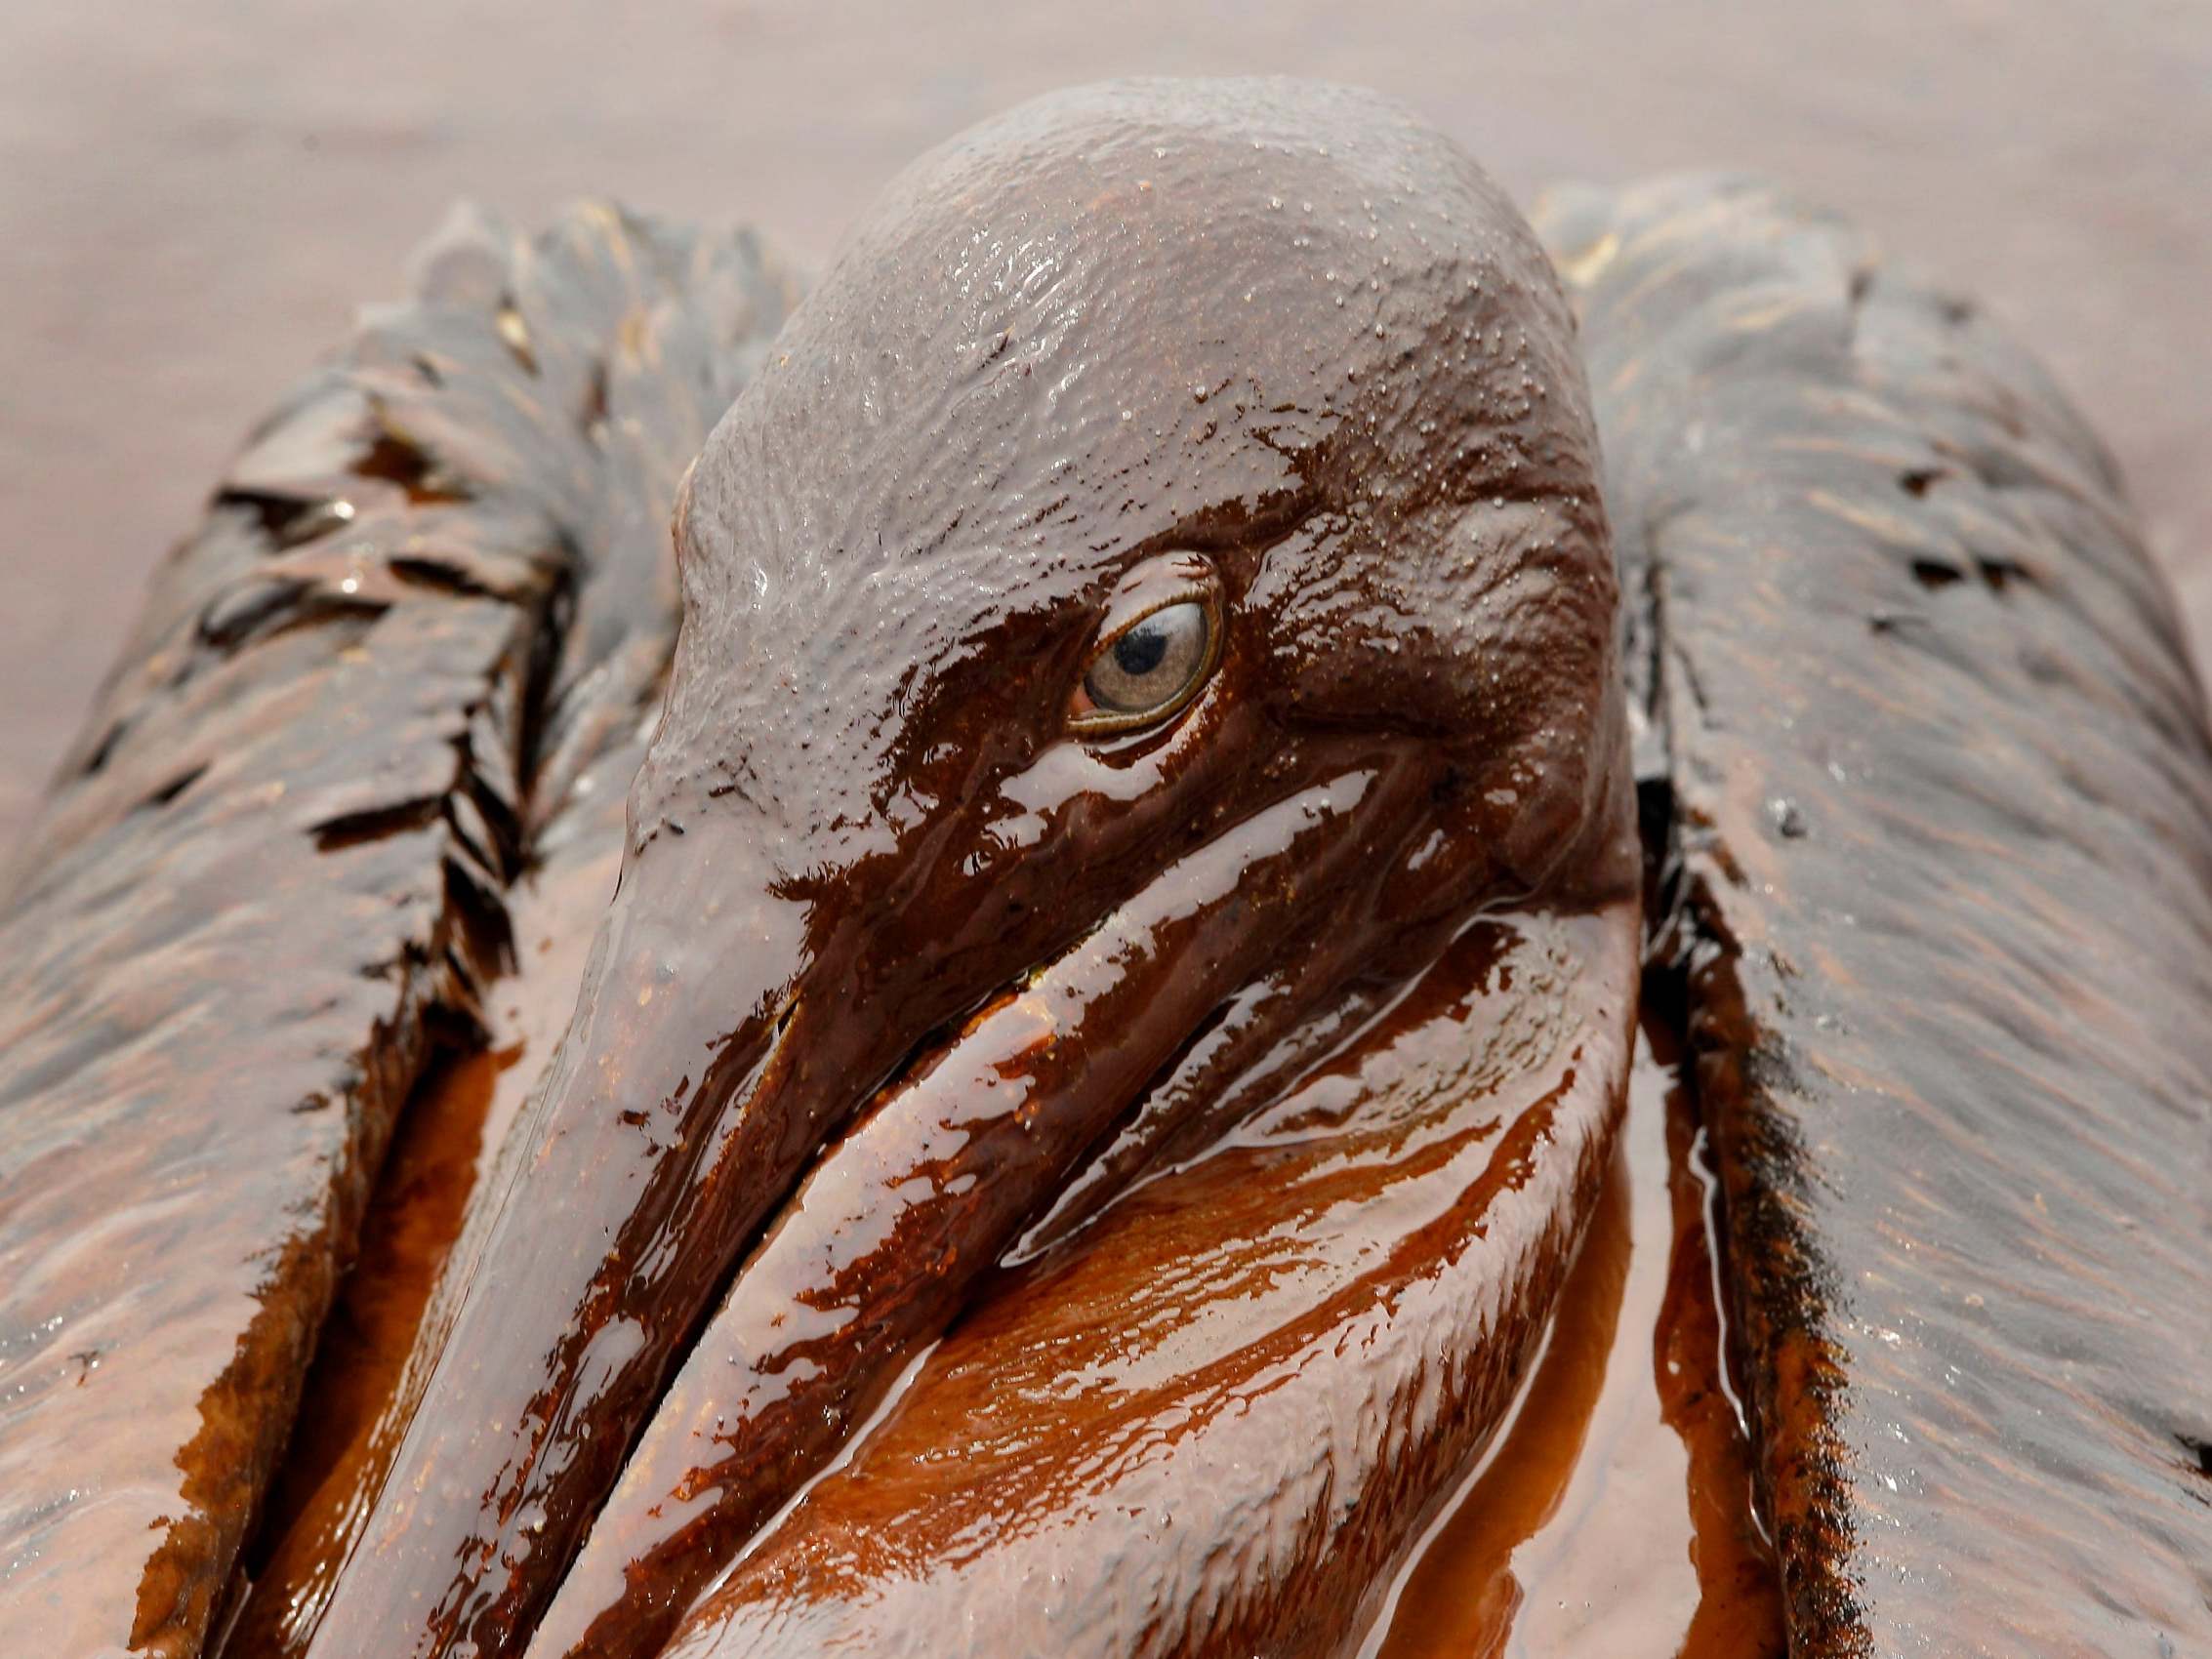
(1128, 940)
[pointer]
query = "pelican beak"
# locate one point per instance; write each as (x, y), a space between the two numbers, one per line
(734, 1018)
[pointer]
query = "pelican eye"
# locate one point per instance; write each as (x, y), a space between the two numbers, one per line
(1150, 669)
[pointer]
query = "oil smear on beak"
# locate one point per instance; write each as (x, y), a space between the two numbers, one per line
(882, 1242)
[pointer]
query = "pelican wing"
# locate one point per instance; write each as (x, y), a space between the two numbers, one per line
(431, 591)
(1939, 826)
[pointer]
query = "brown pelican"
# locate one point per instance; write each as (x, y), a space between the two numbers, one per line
(1131, 892)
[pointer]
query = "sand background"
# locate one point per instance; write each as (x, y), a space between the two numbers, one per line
(193, 197)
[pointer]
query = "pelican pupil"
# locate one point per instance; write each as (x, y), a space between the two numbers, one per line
(1140, 649)
(1148, 670)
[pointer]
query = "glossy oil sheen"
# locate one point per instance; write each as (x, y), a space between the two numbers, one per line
(862, 817)
(1941, 793)
(1204, 1391)
(419, 1243)
(1208, 1422)
(271, 882)
(1613, 1516)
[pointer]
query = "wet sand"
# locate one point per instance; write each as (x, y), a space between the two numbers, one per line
(194, 198)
